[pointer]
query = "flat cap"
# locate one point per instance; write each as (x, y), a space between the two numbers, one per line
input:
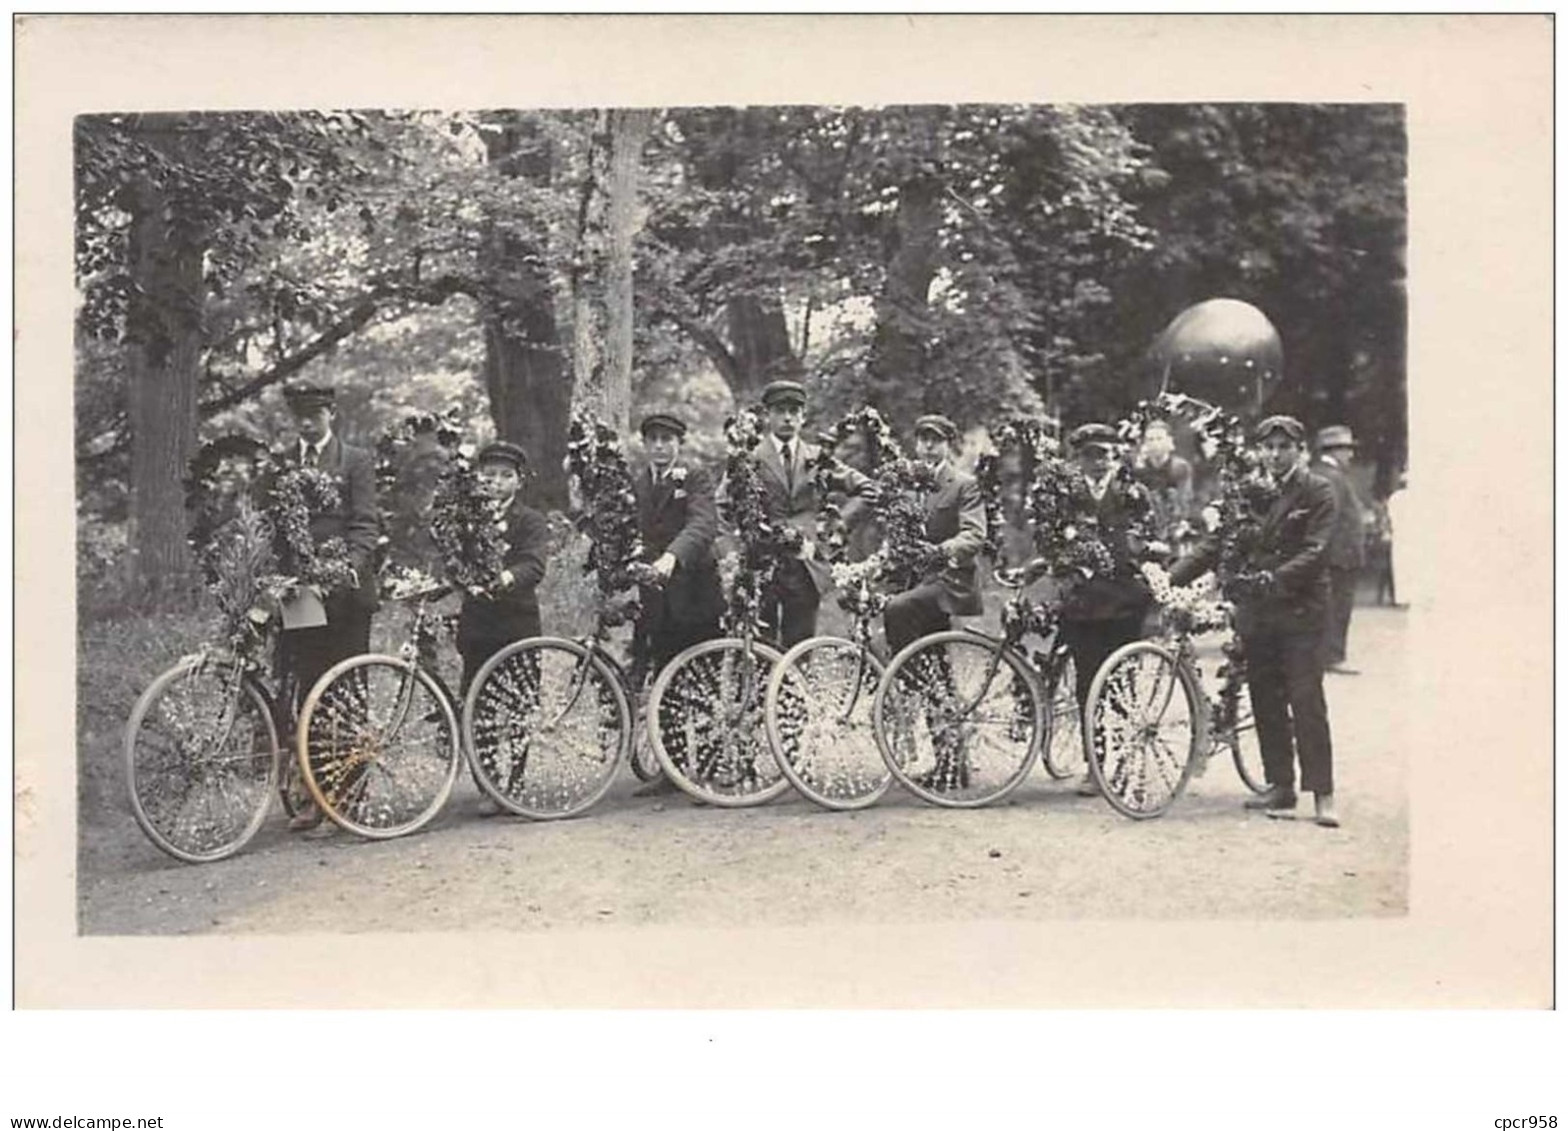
(938, 424)
(784, 392)
(1286, 424)
(669, 422)
(306, 397)
(1086, 434)
(503, 451)
(1336, 436)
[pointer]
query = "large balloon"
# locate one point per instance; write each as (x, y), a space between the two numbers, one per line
(1224, 350)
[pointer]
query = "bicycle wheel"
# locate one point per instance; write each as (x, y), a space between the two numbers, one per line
(1063, 754)
(705, 722)
(818, 718)
(1242, 739)
(378, 746)
(1144, 729)
(201, 759)
(547, 725)
(645, 763)
(959, 719)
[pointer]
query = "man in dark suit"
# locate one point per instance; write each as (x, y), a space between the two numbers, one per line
(1280, 620)
(783, 462)
(955, 527)
(678, 522)
(490, 621)
(1102, 613)
(1347, 548)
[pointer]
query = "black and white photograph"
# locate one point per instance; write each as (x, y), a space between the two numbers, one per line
(545, 515)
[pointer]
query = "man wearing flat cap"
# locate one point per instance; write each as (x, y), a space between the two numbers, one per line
(1336, 448)
(784, 463)
(1103, 612)
(1280, 618)
(678, 522)
(307, 653)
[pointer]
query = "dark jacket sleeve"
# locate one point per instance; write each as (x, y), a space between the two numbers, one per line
(362, 522)
(1196, 563)
(527, 548)
(695, 541)
(963, 546)
(1307, 561)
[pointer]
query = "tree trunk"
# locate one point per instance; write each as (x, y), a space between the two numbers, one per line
(896, 367)
(163, 333)
(588, 394)
(760, 345)
(525, 371)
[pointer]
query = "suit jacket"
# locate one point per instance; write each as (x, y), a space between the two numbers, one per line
(356, 519)
(1293, 546)
(955, 521)
(791, 496)
(1122, 592)
(1347, 548)
(512, 613)
(680, 518)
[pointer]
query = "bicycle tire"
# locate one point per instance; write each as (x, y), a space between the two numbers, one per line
(1063, 754)
(587, 737)
(164, 716)
(377, 744)
(710, 698)
(978, 753)
(1242, 739)
(1133, 702)
(825, 742)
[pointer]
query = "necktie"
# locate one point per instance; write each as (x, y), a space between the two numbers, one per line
(789, 465)
(310, 455)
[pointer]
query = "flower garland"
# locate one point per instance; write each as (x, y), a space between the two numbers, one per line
(603, 480)
(295, 496)
(765, 538)
(827, 472)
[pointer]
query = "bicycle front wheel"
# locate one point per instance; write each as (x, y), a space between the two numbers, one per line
(705, 719)
(201, 759)
(959, 719)
(1144, 729)
(378, 746)
(547, 725)
(819, 722)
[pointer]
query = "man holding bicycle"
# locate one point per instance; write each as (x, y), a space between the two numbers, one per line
(1280, 616)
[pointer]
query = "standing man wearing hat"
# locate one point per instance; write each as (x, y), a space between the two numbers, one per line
(678, 521)
(490, 621)
(955, 527)
(1347, 548)
(307, 653)
(784, 462)
(1102, 613)
(1281, 625)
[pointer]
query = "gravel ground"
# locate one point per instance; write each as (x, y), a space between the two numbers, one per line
(1044, 854)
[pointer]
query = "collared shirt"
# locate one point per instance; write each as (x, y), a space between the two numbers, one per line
(1098, 487)
(310, 454)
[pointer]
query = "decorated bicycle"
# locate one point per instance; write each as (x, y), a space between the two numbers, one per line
(378, 742)
(819, 698)
(549, 720)
(202, 747)
(705, 711)
(979, 708)
(1151, 725)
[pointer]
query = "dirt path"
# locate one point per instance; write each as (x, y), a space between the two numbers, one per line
(1044, 854)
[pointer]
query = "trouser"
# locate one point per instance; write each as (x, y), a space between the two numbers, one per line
(1285, 678)
(1342, 600)
(789, 608)
(305, 654)
(912, 614)
(1092, 641)
(669, 638)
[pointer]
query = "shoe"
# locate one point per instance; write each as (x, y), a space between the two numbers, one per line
(658, 787)
(306, 819)
(1341, 669)
(1323, 803)
(1278, 797)
(1088, 787)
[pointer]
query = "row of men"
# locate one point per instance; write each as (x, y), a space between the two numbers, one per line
(1282, 629)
